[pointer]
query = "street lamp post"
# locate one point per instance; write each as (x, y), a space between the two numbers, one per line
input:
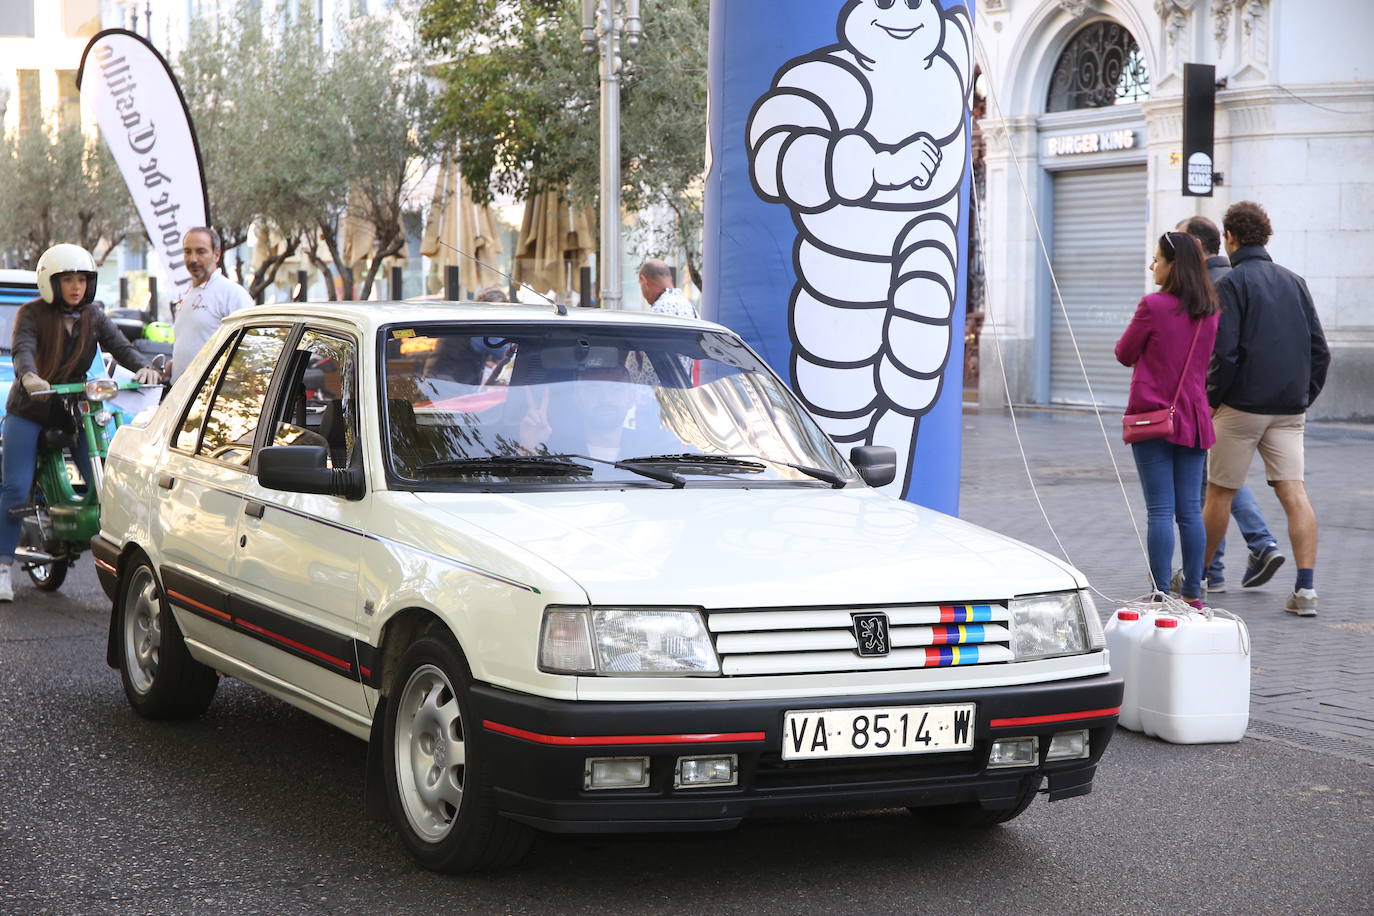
(604, 22)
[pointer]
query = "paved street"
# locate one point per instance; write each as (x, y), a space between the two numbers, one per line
(256, 808)
(1312, 679)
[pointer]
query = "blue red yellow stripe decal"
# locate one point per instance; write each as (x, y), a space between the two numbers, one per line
(965, 613)
(946, 656)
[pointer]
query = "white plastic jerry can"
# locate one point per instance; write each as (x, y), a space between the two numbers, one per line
(1125, 631)
(1193, 677)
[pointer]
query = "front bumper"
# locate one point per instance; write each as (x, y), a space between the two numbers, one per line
(536, 751)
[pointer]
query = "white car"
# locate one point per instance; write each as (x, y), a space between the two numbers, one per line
(581, 572)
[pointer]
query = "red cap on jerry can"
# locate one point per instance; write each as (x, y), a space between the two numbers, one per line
(1127, 615)
(1167, 622)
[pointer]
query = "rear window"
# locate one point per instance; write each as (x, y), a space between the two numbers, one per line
(13, 293)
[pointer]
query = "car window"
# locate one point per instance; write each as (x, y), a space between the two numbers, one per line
(188, 433)
(7, 315)
(501, 405)
(317, 405)
(242, 392)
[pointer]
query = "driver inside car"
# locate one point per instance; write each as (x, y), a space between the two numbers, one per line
(598, 420)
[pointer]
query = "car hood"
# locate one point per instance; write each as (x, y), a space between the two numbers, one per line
(759, 547)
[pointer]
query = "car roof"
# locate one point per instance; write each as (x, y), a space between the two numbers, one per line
(17, 286)
(368, 316)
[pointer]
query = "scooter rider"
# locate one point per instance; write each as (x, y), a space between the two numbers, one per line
(55, 338)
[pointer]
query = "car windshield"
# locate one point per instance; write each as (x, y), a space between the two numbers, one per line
(587, 405)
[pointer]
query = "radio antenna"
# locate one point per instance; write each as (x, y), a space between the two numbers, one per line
(558, 306)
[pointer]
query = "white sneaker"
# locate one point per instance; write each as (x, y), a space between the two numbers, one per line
(6, 587)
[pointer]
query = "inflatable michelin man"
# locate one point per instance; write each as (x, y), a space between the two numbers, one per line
(865, 142)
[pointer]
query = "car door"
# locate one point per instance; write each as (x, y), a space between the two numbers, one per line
(298, 554)
(202, 481)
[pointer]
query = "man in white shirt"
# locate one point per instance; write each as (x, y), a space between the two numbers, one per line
(211, 298)
(656, 283)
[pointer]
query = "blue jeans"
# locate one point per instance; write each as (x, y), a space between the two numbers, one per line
(21, 459)
(1171, 476)
(1246, 511)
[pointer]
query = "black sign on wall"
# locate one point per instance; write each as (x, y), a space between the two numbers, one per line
(1199, 112)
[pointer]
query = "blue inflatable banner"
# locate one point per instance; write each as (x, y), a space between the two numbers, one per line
(837, 214)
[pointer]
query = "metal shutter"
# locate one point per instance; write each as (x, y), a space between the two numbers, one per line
(1099, 261)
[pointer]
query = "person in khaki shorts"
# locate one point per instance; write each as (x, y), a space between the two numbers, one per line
(1268, 366)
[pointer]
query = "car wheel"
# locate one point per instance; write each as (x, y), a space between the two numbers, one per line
(438, 788)
(971, 815)
(161, 679)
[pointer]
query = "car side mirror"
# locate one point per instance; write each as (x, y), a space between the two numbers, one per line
(304, 469)
(876, 464)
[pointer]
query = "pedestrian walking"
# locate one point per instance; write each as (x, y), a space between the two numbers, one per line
(1268, 366)
(55, 337)
(211, 298)
(656, 283)
(1167, 344)
(1265, 557)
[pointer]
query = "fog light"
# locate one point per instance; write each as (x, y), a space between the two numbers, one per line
(616, 773)
(699, 772)
(1014, 752)
(1068, 746)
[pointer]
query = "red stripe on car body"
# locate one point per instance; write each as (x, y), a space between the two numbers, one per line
(597, 740)
(1057, 717)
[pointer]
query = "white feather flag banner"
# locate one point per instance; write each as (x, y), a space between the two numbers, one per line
(144, 120)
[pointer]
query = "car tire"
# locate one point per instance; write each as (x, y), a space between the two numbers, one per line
(161, 679)
(437, 781)
(973, 816)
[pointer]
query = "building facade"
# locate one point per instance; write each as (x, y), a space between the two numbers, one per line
(1083, 171)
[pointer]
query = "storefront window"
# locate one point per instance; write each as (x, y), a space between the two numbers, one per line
(1102, 66)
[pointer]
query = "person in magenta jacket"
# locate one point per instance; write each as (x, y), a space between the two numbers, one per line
(1156, 346)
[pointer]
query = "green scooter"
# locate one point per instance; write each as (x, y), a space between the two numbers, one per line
(60, 518)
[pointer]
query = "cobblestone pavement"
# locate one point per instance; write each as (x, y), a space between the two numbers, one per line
(1312, 680)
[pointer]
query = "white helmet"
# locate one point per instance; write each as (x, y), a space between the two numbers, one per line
(65, 259)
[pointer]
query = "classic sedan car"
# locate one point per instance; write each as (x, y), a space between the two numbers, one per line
(581, 571)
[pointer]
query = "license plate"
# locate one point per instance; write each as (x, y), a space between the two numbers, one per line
(876, 731)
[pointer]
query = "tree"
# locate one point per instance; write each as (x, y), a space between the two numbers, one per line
(522, 100)
(384, 105)
(59, 185)
(294, 135)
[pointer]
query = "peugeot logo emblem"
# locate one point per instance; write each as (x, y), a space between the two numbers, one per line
(871, 634)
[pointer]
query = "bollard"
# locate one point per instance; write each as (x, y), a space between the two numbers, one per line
(302, 285)
(396, 283)
(584, 286)
(347, 284)
(152, 298)
(123, 292)
(451, 291)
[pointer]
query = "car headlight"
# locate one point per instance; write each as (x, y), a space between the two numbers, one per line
(625, 641)
(1062, 623)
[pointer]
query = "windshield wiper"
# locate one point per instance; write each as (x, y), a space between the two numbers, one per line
(489, 463)
(664, 476)
(749, 463)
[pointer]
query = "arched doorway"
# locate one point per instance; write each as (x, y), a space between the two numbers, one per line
(1094, 153)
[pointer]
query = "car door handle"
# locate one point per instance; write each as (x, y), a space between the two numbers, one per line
(166, 481)
(254, 509)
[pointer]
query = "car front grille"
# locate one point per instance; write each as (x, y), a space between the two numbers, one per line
(811, 640)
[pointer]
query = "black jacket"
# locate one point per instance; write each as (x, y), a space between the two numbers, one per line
(1218, 266)
(25, 349)
(1271, 355)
